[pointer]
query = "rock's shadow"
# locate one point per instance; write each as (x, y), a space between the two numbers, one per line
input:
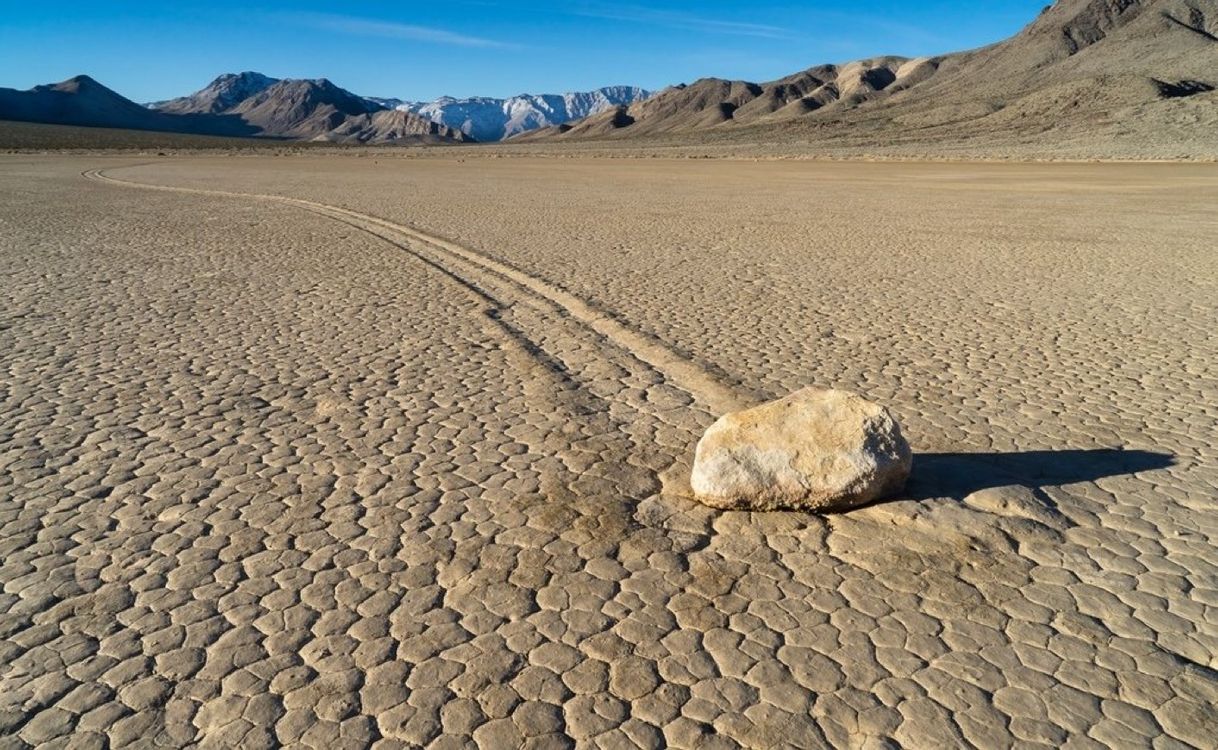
(960, 474)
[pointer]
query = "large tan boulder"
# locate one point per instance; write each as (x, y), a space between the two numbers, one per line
(819, 450)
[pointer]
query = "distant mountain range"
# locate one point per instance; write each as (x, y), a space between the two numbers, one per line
(483, 119)
(1089, 72)
(253, 104)
(1139, 70)
(241, 104)
(487, 119)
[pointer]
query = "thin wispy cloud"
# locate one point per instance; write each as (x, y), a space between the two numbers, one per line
(392, 30)
(691, 22)
(678, 20)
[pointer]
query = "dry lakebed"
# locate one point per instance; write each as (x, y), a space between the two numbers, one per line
(343, 450)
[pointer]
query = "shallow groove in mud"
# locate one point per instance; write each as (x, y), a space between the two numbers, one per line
(680, 370)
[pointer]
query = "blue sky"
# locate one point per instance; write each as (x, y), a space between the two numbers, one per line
(416, 50)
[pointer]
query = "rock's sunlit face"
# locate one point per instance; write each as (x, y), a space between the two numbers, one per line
(816, 450)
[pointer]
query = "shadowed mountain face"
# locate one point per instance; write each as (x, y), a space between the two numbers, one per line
(1080, 64)
(84, 101)
(248, 104)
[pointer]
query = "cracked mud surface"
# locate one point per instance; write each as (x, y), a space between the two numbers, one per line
(393, 454)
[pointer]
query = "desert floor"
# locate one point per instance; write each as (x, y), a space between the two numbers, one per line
(394, 453)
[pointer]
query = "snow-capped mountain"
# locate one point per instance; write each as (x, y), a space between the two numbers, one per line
(487, 119)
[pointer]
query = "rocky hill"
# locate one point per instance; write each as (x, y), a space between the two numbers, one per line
(1138, 72)
(83, 101)
(225, 92)
(391, 125)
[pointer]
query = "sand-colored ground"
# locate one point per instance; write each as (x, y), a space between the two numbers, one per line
(394, 453)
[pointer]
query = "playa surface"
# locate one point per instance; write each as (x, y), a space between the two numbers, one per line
(395, 452)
